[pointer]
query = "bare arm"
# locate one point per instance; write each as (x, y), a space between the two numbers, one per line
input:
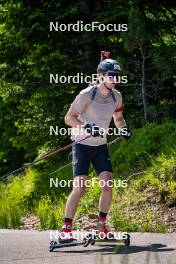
(119, 120)
(71, 118)
(77, 107)
(118, 114)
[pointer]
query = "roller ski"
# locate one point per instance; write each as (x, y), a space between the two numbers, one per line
(67, 243)
(91, 239)
(65, 239)
(104, 235)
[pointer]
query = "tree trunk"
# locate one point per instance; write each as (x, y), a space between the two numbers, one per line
(88, 9)
(143, 87)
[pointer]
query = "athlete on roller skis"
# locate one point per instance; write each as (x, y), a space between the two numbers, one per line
(91, 111)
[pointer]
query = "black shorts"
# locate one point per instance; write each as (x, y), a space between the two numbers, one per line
(83, 154)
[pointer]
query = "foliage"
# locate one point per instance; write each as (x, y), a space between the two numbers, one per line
(30, 104)
(146, 143)
(36, 193)
(29, 52)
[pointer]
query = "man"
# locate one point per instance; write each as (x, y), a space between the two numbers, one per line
(91, 111)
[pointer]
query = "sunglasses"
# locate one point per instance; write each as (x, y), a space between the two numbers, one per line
(112, 74)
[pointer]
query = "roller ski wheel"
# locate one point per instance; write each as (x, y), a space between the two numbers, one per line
(92, 242)
(127, 241)
(69, 243)
(51, 246)
(88, 240)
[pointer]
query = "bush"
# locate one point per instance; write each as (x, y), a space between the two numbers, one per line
(151, 152)
(146, 143)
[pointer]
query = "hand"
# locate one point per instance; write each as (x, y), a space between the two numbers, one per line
(93, 130)
(126, 133)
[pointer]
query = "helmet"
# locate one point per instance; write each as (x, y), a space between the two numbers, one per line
(108, 65)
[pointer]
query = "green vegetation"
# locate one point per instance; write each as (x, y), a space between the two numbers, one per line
(135, 208)
(139, 206)
(30, 104)
(29, 52)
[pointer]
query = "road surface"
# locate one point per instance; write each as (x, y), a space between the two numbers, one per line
(31, 247)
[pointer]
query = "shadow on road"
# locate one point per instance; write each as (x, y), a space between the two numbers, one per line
(99, 251)
(107, 249)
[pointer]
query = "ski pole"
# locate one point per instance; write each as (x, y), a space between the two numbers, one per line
(68, 164)
(44, 157)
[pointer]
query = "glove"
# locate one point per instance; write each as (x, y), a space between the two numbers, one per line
(93, 130)
(126, 133)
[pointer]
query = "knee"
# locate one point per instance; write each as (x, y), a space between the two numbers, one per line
(106, 182)
(79, 191)
(107, 188)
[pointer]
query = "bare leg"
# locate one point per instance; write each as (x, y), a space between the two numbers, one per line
(106, 195)
(75, 196)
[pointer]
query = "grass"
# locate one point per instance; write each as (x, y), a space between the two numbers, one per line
(11, 199)
(50, 214)
(149, 156)
(138, 207)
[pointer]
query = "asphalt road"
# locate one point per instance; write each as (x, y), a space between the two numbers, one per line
(31, 247)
